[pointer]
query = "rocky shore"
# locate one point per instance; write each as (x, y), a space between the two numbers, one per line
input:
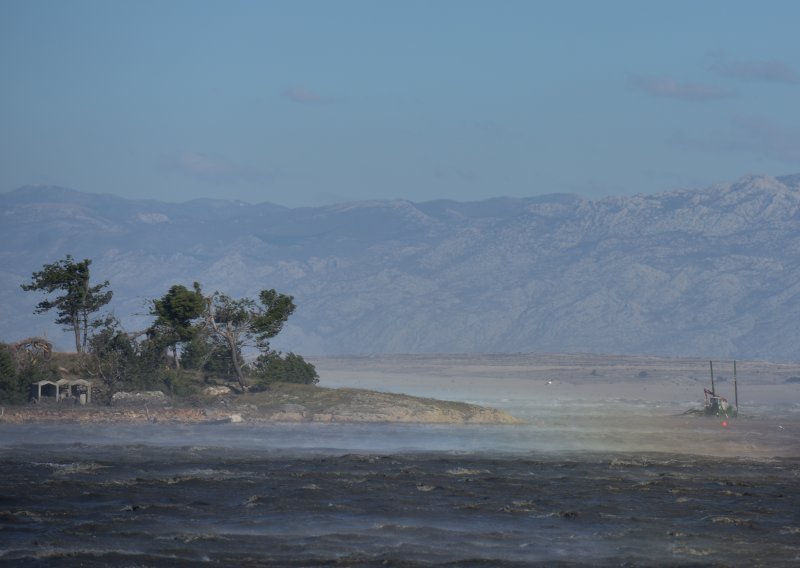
(282, 403)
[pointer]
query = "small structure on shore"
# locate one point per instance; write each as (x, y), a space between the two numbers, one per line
(717, 405)
(78, 390)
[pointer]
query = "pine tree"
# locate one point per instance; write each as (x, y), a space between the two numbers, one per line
(78, 301)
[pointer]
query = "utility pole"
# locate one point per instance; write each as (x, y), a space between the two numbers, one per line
(713, 390)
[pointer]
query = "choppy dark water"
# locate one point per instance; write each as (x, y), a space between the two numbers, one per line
(167, 500)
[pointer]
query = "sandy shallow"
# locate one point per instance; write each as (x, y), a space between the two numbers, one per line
(596, 402)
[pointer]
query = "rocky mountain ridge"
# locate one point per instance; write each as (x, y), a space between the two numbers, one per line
(710, 272)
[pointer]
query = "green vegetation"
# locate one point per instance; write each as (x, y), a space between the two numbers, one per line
(9, 379)
(78, 301)
(195, 340)
(175, 312)
(234, 324)
(122, 362)
(274, 367)
(19, 368)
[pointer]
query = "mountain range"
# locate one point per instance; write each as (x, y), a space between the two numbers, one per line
(712, 272)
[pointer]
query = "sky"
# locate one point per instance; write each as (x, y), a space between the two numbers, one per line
(306, 103)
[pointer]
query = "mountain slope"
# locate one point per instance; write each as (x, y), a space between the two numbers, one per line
(712, 272)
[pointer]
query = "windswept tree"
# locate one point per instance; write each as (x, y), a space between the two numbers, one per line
(78, 301)
(239, 323)
(176, 313)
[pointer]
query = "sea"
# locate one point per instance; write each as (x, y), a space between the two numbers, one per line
(557, 491)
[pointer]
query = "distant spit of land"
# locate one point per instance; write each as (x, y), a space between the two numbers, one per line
(563, 376)
(588, 402)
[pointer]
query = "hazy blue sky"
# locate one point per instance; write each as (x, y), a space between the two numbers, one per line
(312, 102)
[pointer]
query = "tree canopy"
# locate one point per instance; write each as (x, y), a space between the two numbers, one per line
(176, 313)
(236, 323)
(212, 338)
(215, 333)
(79, 300)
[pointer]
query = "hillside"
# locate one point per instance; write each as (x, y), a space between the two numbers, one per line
(711, 272)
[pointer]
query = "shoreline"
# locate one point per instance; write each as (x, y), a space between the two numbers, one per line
(110, 415)
(282, 403)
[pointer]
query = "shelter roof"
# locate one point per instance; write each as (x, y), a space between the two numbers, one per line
(70, 382)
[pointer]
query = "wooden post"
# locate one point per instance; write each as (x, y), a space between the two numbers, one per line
(735, 387)
(711, 366)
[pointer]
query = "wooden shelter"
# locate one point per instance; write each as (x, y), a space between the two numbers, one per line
(79, 390)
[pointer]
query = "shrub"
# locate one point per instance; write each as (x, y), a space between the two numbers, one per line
(274, 367)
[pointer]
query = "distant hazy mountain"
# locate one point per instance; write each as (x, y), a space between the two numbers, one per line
(712, 272)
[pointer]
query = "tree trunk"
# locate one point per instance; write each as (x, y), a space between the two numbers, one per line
(237, 366)
(76, 327)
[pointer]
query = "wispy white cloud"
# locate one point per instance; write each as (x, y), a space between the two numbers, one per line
(302, 95)
(668, 87)
(770, 71)
(210, 168)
